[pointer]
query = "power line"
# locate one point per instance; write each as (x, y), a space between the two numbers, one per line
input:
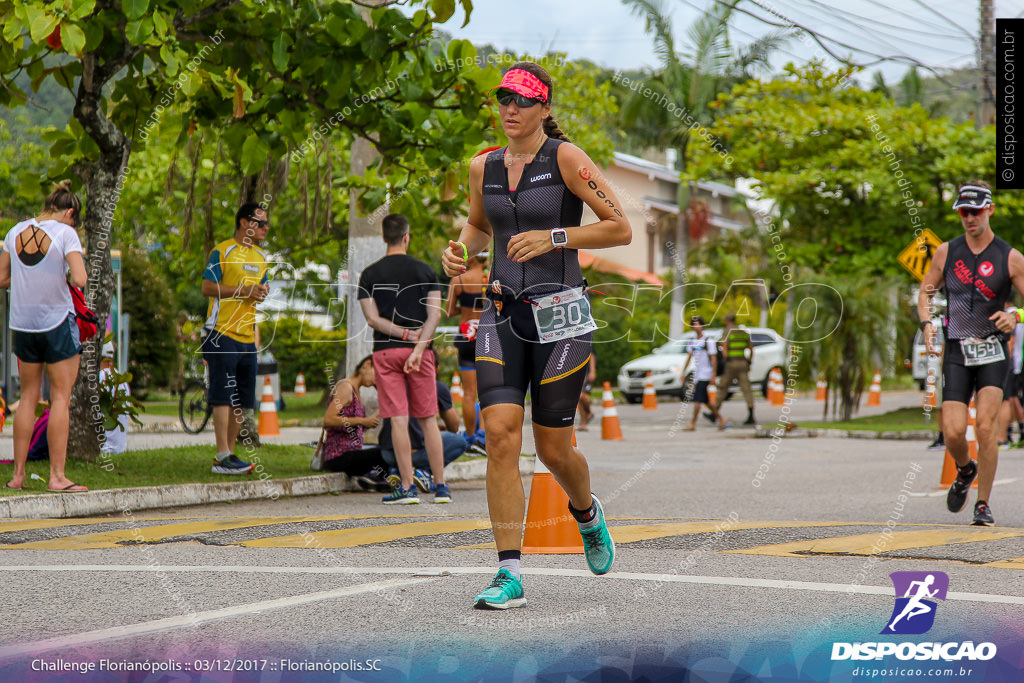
(821, 39)
(915, 17)
(870, 32)
(944, 18)
(822, 5)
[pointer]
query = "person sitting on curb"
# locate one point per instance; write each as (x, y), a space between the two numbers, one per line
(454, 445)
(343, 448)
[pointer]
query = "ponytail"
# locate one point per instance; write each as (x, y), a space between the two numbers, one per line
(61, 198)
(552, 130)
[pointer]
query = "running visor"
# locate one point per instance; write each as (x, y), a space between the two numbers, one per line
(973, 197)
(525, 83)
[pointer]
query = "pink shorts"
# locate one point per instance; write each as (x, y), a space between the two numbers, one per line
(414, 395)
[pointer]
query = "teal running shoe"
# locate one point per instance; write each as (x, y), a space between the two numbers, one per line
(598, 545)
(504, 592)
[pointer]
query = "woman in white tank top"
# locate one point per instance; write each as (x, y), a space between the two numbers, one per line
(40, 256)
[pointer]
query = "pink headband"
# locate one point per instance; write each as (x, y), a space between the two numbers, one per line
(524, 83)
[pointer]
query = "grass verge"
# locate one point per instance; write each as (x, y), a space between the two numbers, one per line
(902, 420)
(165, 466)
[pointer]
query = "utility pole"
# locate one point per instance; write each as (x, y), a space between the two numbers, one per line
(987, 66)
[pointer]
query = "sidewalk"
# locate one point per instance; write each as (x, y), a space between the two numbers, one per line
(634, 420)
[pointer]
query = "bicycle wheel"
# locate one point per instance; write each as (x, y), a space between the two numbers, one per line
(193, 409)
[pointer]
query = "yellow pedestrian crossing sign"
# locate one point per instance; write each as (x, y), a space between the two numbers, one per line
(917, 257)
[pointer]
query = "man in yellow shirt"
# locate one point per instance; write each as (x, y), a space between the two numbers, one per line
(235, 280)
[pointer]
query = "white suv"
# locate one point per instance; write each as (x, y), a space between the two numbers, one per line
(667, 361)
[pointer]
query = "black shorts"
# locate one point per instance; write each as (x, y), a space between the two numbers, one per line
(52, 346)
(700, 392)
(232, 367)
(959, 382)
(467, 352)
(510, 361)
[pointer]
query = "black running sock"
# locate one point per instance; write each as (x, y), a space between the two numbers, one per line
(582, 517)
(509, 559)
(967, 470)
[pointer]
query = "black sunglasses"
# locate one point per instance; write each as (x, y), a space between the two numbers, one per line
(507, 97)
(258, 222)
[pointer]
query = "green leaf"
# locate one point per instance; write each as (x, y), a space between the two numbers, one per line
(191, 82)
(139, 31)
(170, 60)
(254, 154)
(442, 9)
(73, 39)
(281, 44)
(80, 9)
(93, 35)
(134, 9)
(42, 25)
(160, 23)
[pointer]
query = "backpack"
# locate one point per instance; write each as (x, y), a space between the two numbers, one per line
(38, 446)
(87, 320)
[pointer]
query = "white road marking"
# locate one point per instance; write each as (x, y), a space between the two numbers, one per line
(533, 571)
(943, 492)
(170, 623)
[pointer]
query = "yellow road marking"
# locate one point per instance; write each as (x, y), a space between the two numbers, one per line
(866, 544)
(31, 524)
(348, 538)
(1014, 563)
(115, 539)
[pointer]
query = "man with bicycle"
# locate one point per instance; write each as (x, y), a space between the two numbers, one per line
(236, 280)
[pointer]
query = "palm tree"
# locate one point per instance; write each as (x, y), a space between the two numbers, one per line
(690, 81)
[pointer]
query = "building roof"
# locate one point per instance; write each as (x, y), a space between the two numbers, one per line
(655, 170)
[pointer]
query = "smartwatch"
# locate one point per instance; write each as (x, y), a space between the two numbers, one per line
(559, 238)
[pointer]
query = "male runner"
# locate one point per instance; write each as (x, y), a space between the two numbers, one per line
(977, 270)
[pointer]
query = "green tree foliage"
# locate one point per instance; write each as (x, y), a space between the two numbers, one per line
(153, 352)
(260, 77)
(853, 174)
(301, 347)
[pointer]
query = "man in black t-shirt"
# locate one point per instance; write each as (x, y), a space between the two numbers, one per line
(401, 299)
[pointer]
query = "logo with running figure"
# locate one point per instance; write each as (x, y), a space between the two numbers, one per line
(986, 269)
(916, 595)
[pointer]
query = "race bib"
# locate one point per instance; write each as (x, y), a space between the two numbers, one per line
(982, 351)
(562, 315)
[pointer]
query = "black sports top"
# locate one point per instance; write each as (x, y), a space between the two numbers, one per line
(976, 287)
(542, 201)
(468, 299)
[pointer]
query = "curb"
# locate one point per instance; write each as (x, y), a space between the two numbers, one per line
(913, 435)
(130, 500)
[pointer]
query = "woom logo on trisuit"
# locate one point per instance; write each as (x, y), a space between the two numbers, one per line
(542, 176)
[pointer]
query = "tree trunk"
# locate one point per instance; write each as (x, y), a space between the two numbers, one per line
(103, 182)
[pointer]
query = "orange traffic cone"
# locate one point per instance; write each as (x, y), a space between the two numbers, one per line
(822, 392)
(650, 398)
(875, 395)
(929, 391)
(777, 398)
(300, 385)
(550, 529)
(268, 412)
(610, 429)
(713, 394)
(457, 394)
(949, 465)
